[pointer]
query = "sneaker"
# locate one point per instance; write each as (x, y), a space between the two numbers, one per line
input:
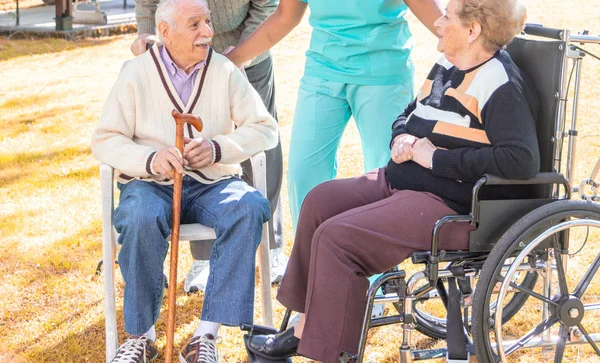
(136, 350)
(197, 278)
(279, 262)
(200, 349)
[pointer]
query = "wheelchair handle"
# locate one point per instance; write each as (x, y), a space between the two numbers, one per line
(541, 31)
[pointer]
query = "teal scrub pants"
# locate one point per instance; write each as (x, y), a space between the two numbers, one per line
(322, 112)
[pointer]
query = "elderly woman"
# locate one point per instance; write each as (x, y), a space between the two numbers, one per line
(474, 115)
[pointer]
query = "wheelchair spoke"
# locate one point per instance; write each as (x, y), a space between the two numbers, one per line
(589, 339)
(583, 284)
(562, 341)
(560, 269)
(533, 294)
(544, 325)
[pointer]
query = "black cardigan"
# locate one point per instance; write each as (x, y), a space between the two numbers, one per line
(481, 120)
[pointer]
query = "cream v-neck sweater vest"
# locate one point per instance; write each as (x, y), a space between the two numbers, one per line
(136, 120)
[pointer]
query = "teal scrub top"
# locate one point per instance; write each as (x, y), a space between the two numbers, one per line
(362, 42)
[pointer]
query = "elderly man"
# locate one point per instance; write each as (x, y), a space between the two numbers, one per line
(233, 21)
(136, 135)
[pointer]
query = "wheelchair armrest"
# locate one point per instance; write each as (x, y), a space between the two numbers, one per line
(540, 178)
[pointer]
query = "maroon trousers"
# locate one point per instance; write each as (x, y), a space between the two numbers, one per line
(348, 230)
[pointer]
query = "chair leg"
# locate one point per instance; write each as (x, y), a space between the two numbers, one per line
(259, 173)
(110, 313)
(264, 268)
(109, 246)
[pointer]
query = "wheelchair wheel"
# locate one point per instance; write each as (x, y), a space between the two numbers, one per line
(430, 313)
(561, 310)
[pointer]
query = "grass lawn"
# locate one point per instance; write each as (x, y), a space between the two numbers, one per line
(51, 97)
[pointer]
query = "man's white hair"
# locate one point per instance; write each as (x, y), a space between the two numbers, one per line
(167, 12)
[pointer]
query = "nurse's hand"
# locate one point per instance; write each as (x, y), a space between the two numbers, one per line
(241, 66)
(139, 45)
(402, 148)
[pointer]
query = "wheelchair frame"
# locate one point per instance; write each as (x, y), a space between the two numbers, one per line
(468, 264)
(432, 272)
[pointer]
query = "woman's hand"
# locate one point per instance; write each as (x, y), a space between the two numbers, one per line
(402, 148)
(422, 152)
(197, 152)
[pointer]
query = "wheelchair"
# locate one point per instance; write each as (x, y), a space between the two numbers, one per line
(526, 280)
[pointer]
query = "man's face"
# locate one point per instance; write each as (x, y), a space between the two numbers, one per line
(188, 41)
(453, 35)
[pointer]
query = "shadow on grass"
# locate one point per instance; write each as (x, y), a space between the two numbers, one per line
(89, 344)
(9, 160)
(11, 49)
(31, 121)
(18, 167)
(25, 101)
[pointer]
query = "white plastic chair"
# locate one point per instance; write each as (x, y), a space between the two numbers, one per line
(188, 232)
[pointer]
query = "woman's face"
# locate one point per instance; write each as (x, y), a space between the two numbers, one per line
(453, 35)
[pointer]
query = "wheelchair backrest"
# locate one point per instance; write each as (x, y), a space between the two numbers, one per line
(542, 63)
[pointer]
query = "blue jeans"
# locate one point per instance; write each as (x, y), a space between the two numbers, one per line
(143, 218)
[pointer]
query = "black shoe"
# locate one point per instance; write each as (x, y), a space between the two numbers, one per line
(275, 346)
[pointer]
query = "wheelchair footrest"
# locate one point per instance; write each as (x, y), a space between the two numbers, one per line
(447, 256)
(258, 329)
(253, 358)
(448, 360)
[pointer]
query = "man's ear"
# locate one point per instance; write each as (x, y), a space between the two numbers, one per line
(474, 32)
(165, 32)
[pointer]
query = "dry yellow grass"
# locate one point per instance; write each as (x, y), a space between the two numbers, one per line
(50, 99)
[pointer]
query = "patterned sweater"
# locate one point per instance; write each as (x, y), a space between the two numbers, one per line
(232, 20)
(136, 120)
(482, 122)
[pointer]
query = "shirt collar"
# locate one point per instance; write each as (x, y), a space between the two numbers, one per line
(173, 69)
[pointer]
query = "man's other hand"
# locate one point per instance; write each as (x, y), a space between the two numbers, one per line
(197, 152)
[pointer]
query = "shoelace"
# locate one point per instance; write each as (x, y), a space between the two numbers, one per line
(207, 349)
(131, 351)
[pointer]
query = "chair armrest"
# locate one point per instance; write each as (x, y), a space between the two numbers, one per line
(107, 191)
(259, 172)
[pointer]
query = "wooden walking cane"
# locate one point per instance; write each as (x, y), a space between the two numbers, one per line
(180, 120)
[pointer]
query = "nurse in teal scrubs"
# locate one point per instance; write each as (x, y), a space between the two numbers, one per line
(358, 64)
